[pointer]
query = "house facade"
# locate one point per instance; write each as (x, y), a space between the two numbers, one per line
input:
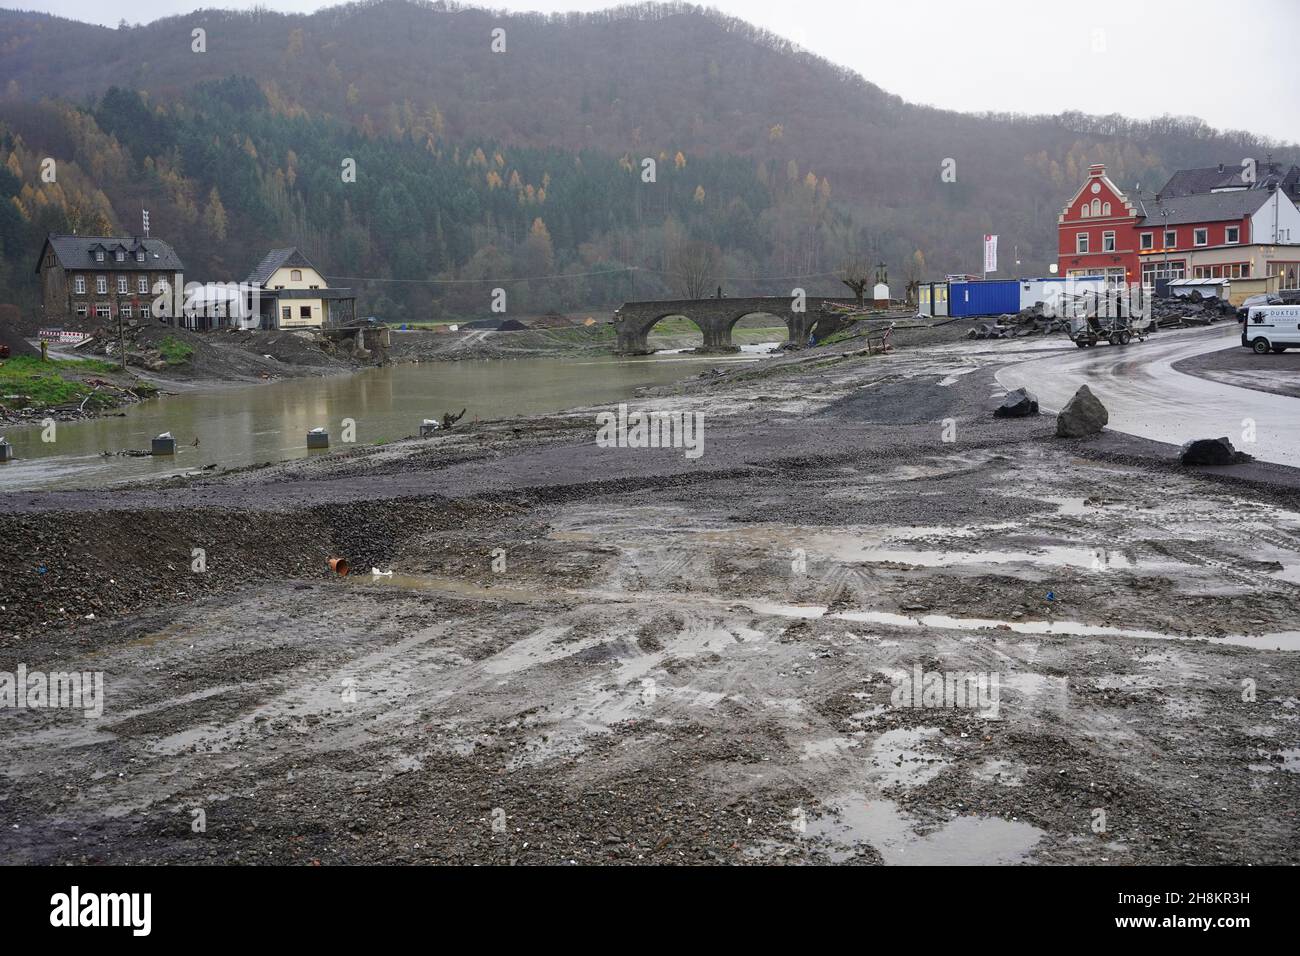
(1096, 231)
(294, 295)
(89, 279)
(1205, 223)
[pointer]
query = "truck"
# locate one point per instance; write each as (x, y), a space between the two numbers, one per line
(1271, 328)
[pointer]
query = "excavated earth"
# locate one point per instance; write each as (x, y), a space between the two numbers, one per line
(605, 655)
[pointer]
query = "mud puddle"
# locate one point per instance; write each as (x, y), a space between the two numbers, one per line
(855, 821)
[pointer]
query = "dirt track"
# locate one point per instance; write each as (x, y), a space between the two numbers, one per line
(681, 660)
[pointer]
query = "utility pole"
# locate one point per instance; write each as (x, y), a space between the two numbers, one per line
(121, 337)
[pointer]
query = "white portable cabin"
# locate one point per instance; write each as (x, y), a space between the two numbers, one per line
(1206, 287)
(1050, 291)
(932, 298)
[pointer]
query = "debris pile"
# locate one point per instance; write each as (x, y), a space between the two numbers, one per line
(1181, 311)
(1030, 321)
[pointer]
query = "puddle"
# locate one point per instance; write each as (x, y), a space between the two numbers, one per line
(1281, 641)
(1094, 559)
(898, 757)
(964, 841)
(1288, 761)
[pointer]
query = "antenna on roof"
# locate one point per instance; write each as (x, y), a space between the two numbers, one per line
(144, 215)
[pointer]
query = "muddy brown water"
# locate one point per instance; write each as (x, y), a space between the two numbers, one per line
(248, 424)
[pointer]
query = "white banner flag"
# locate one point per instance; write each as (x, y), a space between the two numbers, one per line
(990, 253)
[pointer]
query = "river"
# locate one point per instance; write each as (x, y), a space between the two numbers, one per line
(248, 424)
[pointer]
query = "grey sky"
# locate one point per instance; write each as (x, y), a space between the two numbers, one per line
(1229, 65)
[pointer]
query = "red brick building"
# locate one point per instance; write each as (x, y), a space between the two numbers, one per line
(1097, 231)
(1205, 223)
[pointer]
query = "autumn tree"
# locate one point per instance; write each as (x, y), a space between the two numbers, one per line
(214, 215)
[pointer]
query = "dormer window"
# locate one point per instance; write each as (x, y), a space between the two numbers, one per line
(139, 255)
(99, 255)
(120, 256)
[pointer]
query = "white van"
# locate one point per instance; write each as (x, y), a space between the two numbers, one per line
(1271, 328)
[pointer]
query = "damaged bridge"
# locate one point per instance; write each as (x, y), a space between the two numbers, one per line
(716, 317)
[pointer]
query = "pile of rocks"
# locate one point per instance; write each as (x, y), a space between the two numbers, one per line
(1176, 312)
(1030, 321)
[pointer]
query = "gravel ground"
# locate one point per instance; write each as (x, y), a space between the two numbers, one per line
(1276, 373)
(628, 655)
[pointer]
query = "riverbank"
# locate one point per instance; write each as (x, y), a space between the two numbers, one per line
(33, 390)
(632, 655)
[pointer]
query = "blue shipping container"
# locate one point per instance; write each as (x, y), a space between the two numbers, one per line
(992, 297)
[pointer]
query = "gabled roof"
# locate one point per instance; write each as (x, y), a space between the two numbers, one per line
(1203, 207)
(78, 252)
(1191, 182)
(278, 259)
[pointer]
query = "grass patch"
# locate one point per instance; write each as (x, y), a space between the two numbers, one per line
(49, 383)
(174, 351)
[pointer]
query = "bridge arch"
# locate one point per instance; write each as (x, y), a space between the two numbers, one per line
(715, 318)
(778, 318)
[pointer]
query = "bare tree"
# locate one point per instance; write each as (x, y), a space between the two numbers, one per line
(695, 266)
(856, 274)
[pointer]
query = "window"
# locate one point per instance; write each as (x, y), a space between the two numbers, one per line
(1171, 238)
(1083, 210)
(1232, 235)
(1147, 240)
(146, 312)
(79, 285)
(142, 285)
(1201, 237)
(295, 275)
(81, 310)
(101, 311)
(120, 256)
(286, 313)
(304, 312)
(1108, 241)
(99, 255)
(1081, 242)
(1096, 208)
(124, 311)
(101, 285)
(1105, 209)
(139, 255)
(1151, 271)
(122, 287)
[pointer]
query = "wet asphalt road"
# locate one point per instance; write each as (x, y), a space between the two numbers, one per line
(1146, 397)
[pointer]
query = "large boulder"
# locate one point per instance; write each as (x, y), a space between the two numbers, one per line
(1211, 451)
(1019, 403)
(1083, 415)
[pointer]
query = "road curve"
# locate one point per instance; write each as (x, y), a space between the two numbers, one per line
(1147, 398)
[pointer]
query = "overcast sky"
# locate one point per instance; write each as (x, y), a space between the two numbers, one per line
(1234, 65)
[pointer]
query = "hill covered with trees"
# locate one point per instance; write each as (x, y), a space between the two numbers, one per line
(520, 158)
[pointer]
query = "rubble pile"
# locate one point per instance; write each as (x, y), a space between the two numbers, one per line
(1028, 321)
(1181, 311)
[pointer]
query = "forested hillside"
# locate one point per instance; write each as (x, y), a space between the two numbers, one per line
(523, 165)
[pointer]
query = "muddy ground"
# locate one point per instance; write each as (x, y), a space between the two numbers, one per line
(627, 655)
(1274, 372)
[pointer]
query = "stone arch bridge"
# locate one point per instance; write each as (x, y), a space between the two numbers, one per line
(717, 317)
